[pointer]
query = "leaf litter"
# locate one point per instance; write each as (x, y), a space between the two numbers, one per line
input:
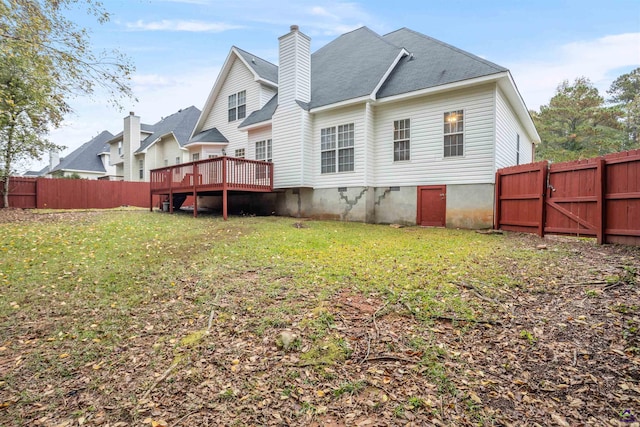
(560, 347)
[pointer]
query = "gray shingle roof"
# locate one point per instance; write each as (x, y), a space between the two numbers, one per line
(86, 157)
(263, 114)
(264, 69)
(181, 124)
(209, 135)
(350, 67)
(433, 63)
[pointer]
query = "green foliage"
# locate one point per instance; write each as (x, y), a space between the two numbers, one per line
(44, 60)
(625, 93)
(349, 388)
(576, 124)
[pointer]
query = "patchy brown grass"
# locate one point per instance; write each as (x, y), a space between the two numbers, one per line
(138, 319)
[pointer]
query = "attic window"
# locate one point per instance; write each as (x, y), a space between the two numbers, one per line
(238, 106)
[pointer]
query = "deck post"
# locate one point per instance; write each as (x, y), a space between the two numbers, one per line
(195, 190)
(224, 188)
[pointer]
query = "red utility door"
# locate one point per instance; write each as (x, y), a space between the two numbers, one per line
(432, 205)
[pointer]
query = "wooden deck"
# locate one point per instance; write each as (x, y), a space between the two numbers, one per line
(217, 175)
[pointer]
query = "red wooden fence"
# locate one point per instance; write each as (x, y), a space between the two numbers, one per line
(44, 193)
(597, 197)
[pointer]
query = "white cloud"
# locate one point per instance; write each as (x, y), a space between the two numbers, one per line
(599, 60)
(181, 25)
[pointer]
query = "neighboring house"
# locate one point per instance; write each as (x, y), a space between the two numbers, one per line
(141, 147)
(89, 161)
(400, 128)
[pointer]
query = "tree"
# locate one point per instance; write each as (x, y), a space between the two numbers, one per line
(625, 92)
(45, 59)
(576, 123)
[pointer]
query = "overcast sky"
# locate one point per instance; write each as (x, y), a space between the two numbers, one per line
(178, 46)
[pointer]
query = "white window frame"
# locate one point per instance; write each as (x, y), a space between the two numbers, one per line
(141, 168)
(195, 157)
(517, 149)
(264, 150)
(450, 119)
(237, 106)
(402, 140)
(119, 148)
(239, 153)
(337, 149)
(178, 160)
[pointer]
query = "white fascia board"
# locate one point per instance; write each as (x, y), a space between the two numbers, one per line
(256, 125)
(208, 105)
(402, 53)
(512, 93)
(442, 88)
(341, 104)
(267, 82)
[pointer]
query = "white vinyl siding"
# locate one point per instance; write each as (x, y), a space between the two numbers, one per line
(239, 79)
(266, 93)
(345, 116)
(256, 135)
(508, 128)
(428, 166)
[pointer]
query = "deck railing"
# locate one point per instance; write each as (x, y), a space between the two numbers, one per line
(218, 173)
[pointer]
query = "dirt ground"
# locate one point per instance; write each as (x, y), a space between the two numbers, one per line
(561, 349)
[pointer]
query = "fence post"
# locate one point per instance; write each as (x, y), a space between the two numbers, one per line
(601, 190)
(498, 192)
(543, 194)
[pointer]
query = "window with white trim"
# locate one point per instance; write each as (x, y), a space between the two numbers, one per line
(240, 153)
(454, 133)
(178, 160)
(238, 106)
(517, 149)
(195, 157)
(166, 162)
(119, 148)
(264, 151)
(337, 149)
(401, 140)
(141, 168)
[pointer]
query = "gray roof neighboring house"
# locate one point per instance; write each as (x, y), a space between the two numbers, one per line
(87, 156)
(265, 69)
(353, 65)
(35, 174)
(209, 135)
(179, 124)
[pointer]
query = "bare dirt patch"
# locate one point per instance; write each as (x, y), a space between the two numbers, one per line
(561, 348)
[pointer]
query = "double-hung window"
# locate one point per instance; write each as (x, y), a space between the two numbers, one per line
(195, 157)
(454, 133)
(264, 151)
(337, 149)
(401, 140)
(141, 168)
(237, 106)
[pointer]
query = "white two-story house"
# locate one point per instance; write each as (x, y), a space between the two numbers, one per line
(400, 128)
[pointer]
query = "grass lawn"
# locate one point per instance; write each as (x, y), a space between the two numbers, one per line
(136, 318)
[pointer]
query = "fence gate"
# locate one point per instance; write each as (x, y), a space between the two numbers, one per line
(597, 197)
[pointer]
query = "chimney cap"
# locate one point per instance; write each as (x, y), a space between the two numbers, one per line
(294, 28)
(131, 113)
